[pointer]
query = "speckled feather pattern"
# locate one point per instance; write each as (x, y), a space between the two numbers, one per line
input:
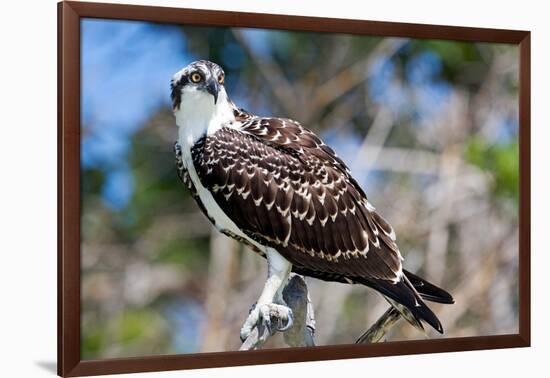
(288, 190)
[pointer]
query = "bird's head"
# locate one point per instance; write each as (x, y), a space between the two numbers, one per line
(199, 82)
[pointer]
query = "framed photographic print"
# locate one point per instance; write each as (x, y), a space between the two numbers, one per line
(239, 188)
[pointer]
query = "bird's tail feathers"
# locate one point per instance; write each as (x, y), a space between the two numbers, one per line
(403, 296)
(427, 290)
(406, 314)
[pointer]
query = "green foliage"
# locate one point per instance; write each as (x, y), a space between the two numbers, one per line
(93, 339)
(131, 326)
(499, 160)
(94, 179)
(195, 257)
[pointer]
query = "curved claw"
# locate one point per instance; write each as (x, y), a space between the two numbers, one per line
(261, 315)
(289, 322)
(278, 312)
(265, 317)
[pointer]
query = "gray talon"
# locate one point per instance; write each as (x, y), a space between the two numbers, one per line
(265, 318)
(289, 322)
(261, 317)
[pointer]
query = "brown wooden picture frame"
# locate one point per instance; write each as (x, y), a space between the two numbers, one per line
(69, 359)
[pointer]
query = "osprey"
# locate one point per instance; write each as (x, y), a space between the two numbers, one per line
(274, 185)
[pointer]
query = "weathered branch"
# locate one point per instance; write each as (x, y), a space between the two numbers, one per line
(296, 297)
(379, 329)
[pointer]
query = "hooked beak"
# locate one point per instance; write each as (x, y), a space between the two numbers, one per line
(212, 87)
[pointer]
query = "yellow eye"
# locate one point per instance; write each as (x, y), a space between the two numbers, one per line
(221, 78)
(195, 77)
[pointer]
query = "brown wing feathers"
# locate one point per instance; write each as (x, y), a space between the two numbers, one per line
(279, 182)
(285, 188)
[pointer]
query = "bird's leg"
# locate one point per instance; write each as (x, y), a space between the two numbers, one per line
(271, 303)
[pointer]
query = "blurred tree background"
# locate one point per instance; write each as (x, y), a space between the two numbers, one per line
(428, 127)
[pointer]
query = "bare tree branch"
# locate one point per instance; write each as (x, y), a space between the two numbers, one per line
(296, 296)
(379, 329)
(354, 75)
(302, 331)
(273, 74)
(222, 256)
